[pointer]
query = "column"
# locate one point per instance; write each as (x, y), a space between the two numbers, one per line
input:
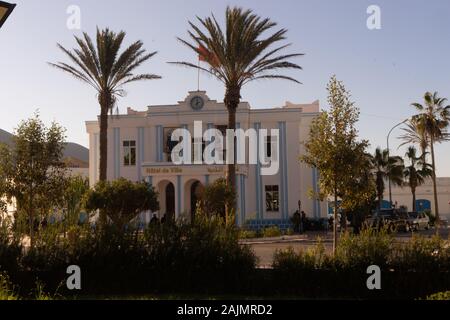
(159, 143)
(140, 152)
(284, 204)
(258, 182)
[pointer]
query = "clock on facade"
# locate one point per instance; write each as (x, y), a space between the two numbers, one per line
(197, 103)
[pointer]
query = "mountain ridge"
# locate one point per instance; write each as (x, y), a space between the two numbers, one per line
(71, 151)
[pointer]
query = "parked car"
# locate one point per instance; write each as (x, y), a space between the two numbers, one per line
(394, 219)
(418, 221)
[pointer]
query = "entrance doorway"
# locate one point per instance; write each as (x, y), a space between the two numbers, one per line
(170, 200)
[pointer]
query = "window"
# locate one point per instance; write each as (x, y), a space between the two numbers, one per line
(129, 153)
(271, 147)
(168, 143)
(272, 198)
(268, 146)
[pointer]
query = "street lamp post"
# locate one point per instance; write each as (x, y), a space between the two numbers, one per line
(388, 150)
(5, 10)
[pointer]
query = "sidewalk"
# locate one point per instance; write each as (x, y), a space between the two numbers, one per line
(310, 236)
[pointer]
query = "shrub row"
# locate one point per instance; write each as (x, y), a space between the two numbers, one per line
(206, 259)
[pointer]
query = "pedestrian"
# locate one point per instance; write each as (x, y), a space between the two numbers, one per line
(303, 222)
(154, 220)
(296, 220)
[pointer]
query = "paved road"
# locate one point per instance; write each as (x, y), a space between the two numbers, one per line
(265, 248)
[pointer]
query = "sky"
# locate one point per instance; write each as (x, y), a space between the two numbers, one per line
(385, 69)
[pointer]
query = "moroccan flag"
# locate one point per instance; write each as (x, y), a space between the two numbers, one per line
(203, 53)
(208, 56)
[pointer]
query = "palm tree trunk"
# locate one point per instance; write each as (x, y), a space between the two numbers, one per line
(436, 206)
(104, 107)
(232, 99)
(413, 191)
(103, 144)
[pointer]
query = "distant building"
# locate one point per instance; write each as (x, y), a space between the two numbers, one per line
(424, 196)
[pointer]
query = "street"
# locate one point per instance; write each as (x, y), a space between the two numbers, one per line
(265, 248)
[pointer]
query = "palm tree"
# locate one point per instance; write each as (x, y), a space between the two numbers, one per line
(386, 167)
(417, 171)
(107, 71)
(430, 126)
(238, 54)
(415, 134)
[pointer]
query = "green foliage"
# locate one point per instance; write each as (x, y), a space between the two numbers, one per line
(247, 234)
(75, 190)
(33, 170)
(334, 149)
(422, 255)
(217, 197)
(272, 231)
(385, 167)
(122, 200)
(107, 70)
(369, 247)
(243, 57)
(10, 246)
(427, 127)
(287, 261)
(440, 296)
(6, 290)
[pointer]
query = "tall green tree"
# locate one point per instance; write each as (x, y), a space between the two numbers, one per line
(33, 170)
(386, 167)
(416, 172)
(107, 70)
(238, 53)
(335, 150)
(430, 124)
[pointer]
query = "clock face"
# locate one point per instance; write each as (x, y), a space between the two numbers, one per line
(197, 103)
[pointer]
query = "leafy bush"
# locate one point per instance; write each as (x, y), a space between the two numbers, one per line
(422, 255)
(10, 247)
(247, 234)
(217, 196)
(369, 247)
(269, 232)
(6, 291)
(122, 200)
(440, 296)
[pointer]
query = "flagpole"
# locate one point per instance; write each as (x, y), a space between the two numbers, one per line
(198, 76)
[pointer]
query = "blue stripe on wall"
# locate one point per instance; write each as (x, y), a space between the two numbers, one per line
(284, 205)
(259, 206)
(116, 153)
(243, 199)
(140, 150)
(159, 144)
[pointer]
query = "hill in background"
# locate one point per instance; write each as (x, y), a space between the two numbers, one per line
(74, 154)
